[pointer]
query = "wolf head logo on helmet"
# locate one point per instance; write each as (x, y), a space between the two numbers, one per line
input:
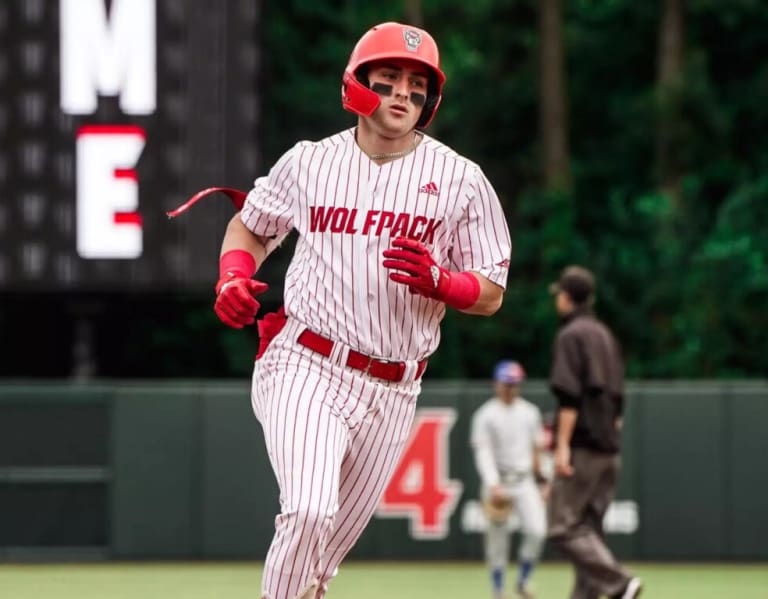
(388, 41)
(412, 39)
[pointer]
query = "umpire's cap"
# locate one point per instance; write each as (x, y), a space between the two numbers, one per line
(578, 283)
(508, 373)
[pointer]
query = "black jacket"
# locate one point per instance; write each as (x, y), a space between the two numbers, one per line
(588, 375)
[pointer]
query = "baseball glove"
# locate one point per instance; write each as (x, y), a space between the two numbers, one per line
(497, 509)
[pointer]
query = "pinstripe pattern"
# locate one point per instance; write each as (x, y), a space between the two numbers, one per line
(335, 283)
(333, 436)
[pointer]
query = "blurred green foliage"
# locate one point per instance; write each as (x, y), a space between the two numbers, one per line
(683, 283)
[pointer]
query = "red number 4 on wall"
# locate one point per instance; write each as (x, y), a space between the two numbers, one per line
(420, 488)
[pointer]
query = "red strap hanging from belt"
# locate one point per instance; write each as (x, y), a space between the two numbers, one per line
(235, 195)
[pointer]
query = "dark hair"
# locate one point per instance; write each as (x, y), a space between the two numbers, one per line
(578, 283)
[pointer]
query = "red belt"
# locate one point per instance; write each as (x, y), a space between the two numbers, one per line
(381, 369)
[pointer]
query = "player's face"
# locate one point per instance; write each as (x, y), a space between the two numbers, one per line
(402, 86)
(506, 392)
(563, 303)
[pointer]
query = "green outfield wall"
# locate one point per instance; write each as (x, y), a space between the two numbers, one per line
(178, 470)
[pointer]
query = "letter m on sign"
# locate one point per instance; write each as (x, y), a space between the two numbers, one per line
(420, 488)
(110, 55)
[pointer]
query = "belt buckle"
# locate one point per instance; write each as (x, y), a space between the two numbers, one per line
(371, 361)
(367, 369)
(400, 369)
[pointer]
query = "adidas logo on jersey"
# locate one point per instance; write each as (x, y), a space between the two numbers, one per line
(430, 189)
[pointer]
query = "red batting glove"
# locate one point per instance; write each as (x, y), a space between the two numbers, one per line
(424, 276)
(419, 270)
(236, 304)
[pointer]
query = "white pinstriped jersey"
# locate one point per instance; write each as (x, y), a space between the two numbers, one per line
(347, 209)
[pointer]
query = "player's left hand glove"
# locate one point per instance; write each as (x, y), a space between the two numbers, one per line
(236, 304)
(419, 270)
(424, 276)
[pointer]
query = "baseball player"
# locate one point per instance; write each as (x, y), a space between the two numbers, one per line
(393, 228)
(507, 438)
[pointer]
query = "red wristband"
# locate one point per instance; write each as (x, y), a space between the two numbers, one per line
(463, 290)
(237, 261)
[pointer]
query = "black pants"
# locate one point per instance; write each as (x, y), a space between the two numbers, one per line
(576, 508)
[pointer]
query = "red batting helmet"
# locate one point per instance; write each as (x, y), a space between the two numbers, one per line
(391, 40)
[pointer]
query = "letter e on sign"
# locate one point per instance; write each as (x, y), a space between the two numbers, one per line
(108, 221)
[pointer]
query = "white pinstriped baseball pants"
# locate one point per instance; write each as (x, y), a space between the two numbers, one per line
(334, 436)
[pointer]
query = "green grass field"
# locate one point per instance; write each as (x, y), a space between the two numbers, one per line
(356, 580)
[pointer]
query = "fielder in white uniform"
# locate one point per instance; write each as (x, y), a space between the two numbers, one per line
(507, 439)
(393, 226)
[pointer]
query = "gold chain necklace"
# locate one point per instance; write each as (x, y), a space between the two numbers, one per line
(400, 154)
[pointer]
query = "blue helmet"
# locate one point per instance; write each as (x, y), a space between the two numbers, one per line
(508, 373)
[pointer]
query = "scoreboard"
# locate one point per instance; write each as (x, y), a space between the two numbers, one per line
(112, 113)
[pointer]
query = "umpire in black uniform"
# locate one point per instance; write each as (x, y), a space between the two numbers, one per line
(587, 378)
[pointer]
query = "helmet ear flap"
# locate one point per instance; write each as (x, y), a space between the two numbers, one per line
(356, 97)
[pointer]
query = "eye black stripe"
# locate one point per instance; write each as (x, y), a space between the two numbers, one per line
(418, 99)
(382, 89)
